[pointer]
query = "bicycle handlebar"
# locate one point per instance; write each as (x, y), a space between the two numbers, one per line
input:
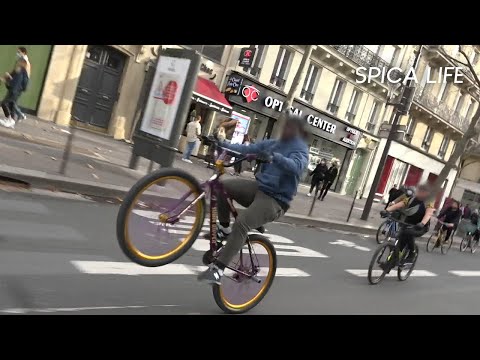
(390, 216)
(248, 157)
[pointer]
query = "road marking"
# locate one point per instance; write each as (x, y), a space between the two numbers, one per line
(132, 269)
(465, 273)
(349, 244)
(415, 273)
(75, 309)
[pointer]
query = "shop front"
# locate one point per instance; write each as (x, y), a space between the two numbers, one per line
(208, 102)
(328, 137)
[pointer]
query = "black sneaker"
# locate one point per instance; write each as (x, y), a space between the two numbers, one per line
(222, 233)
(212, 275)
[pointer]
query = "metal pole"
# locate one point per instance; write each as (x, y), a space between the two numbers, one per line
(67, 152)
(351, 207)
(150, 167)
(395, 119)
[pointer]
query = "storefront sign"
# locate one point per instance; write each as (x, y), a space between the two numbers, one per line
(234, 85)
(164, 98)
(206, 69)
(246, 57)
(212, 105)
(269, 102)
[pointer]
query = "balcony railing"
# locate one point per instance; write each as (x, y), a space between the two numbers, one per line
(440, 108)
(365, 57)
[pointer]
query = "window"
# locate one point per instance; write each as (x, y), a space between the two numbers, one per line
(336, 96)
(310, 83)
(257, 60)
(460, 102)
(353, 105)
(395, 56)
(427, 139)
(411, 125)
(280, 70)
(444, 90)
(373, 118)
(214, 52)
(471, 106)
(443, 147)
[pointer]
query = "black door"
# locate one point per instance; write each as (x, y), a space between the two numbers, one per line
(97, 88)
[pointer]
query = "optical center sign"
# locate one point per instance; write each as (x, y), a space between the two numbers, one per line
(270, 103)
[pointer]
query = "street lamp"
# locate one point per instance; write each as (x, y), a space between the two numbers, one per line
(399, 109)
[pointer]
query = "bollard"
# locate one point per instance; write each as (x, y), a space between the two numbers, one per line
(313, 202)
(351, 207)
(67, 151)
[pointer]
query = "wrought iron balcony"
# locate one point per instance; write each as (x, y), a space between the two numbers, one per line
(365, 57)
(440, 108)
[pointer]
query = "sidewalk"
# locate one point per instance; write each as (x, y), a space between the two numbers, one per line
(98, 165)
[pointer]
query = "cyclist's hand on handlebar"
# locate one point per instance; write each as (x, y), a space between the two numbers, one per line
(384, 213)
(264, 157)
(450, 225)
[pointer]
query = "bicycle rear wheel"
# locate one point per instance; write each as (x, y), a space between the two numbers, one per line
(466, 239)
(240, 293)
(158, 220)
(381, 263)
(432, 242)
(404, 272)
(473, 245)
(383, 232)
(447, 245)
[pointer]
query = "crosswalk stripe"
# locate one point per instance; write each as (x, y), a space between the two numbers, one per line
(415, 273)
(465, 273)
(132, 269)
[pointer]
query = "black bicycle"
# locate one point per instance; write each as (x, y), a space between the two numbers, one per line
(469, 240)
(388, 256)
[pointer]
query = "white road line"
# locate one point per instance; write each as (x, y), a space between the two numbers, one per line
(349, 244)
(465, 273)
(415, 273)
(132, 269)
(75, 309)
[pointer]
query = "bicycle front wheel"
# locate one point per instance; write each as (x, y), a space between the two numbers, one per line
(383, 232)
(464, 244)
(446, 245)
(240, 292)
(381, 263)
(404, 272)
(432, 242)
(473, 245)
(160, 217)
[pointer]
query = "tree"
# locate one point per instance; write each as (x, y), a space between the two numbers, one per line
(292, 91)
(466, 142)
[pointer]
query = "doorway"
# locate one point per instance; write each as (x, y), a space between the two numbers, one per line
(97, 89)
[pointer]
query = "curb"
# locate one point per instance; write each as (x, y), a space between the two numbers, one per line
(40, 179)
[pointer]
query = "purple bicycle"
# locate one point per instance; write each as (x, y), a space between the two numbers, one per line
(162, 216)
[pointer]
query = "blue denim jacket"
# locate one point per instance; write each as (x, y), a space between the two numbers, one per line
(280, 178)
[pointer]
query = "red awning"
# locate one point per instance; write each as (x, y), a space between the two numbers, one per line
(209, 91)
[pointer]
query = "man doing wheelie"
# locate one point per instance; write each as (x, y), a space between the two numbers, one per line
(415, 211)
(267, 198)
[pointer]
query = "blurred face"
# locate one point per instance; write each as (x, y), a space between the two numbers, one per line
(18, 69)
(454, 205)
(323, 162)
(289, 131)
(422, 194)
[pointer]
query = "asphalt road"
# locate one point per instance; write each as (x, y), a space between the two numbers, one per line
(58, 255)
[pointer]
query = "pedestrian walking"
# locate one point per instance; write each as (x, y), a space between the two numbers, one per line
(21, 55)
(393, 194)
(194, 130)
(318, 175)
(330, 177)
(16, 84)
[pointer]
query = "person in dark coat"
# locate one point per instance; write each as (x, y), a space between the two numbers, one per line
(330, 177)
(451, 216)
(393, 194)
(318, 175)
(16, 84)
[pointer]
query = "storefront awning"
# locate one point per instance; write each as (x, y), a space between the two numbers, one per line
(207, 93)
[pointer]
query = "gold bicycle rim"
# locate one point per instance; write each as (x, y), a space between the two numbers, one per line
(188, 236)
(262, 289)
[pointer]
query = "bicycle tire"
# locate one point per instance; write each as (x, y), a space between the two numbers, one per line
(380, 250)
(410, 270)
(464, 243)
(379, 232)
(474, 246)
(228, 308)
(432, 241)
(131, 197)
(446, 246)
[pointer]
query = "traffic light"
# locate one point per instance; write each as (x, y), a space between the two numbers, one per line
(406, 100)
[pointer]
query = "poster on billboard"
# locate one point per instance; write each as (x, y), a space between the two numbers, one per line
(243, 122)
(164, 98)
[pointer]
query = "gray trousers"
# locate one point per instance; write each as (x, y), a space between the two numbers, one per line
(260, 210)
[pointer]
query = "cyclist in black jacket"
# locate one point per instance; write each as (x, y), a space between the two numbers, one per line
(451, 215)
